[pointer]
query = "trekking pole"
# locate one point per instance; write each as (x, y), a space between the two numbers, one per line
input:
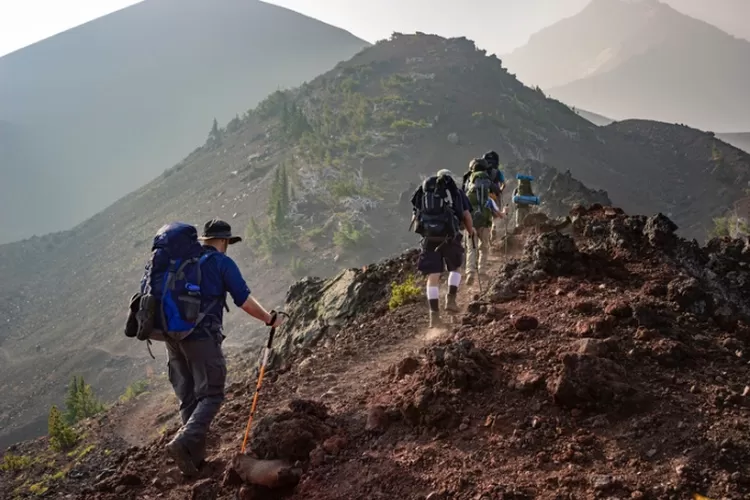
(507, 215)
(266, 354)
(476, 262)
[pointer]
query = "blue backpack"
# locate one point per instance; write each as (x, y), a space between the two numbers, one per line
(169, 306)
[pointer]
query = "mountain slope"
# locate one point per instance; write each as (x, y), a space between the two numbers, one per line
(352, 143)
(641, 60)
(110, 104)
(606, 362)
(728, 15)
(739, 140)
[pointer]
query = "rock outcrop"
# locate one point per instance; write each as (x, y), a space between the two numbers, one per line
(319, 308)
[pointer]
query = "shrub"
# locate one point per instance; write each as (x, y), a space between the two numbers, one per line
(315, 232)
(79, 454)
(396, 81)
(721, 227)
(38, 489)
(405, 124)
(403, 293)
(351, 185)
(348, 236)
(133, 390)
(297, 267)
(62, 437)
(13, 462)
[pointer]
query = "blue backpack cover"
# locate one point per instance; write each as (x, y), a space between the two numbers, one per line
(171, 284)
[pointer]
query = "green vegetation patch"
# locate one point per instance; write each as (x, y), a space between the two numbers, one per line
(404, 293)
(14, 463)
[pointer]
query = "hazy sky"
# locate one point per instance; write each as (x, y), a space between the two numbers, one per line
(496, 25)
(23, 22)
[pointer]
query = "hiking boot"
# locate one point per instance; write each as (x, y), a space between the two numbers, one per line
(450, 303)
(181, 457)
(435, 321)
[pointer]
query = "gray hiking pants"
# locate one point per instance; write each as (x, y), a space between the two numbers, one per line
(197, 372)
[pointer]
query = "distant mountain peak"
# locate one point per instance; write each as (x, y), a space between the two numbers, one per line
(158, 73)
(641, 59)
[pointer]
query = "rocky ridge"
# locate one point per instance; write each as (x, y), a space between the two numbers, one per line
(606, 361)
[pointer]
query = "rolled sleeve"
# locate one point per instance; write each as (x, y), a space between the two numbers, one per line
(234, 282)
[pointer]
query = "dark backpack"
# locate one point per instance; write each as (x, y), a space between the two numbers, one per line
(478, 191)
(435, 216)
(169, 304)
(494, 174)
(524, 187)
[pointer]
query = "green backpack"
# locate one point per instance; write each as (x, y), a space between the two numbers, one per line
(524, 188)
(478, 192)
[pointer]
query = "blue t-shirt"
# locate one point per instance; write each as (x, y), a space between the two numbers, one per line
(219, 276)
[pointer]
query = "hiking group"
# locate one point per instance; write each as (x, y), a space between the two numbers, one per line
(181, 301)
(183, 290)
(449, 217)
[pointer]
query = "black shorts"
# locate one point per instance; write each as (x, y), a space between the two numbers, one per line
(434, 260)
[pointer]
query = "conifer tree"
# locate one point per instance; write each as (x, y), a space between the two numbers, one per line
(284, 188)
(253, 232)
(81, 402)
(62, 437)
(279, 216)
(214, 136)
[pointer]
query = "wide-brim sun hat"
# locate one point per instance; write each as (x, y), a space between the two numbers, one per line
(218, 229)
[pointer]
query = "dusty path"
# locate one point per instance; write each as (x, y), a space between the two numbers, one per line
(358, 374)
(361, 373)
(145, 417)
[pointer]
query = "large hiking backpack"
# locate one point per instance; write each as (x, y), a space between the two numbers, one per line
(478, 192)
(435, 217)
(523, 194)
(169, 306)
(496, 176)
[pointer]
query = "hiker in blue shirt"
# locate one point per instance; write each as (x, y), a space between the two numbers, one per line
(497, 177)
(197, 368)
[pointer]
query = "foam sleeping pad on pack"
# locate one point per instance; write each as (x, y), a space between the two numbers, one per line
(520, 199)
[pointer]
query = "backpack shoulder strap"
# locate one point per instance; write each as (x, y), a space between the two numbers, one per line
(204, 258)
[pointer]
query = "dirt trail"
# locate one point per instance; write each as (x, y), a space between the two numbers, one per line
(363, 372)
(147, 418)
